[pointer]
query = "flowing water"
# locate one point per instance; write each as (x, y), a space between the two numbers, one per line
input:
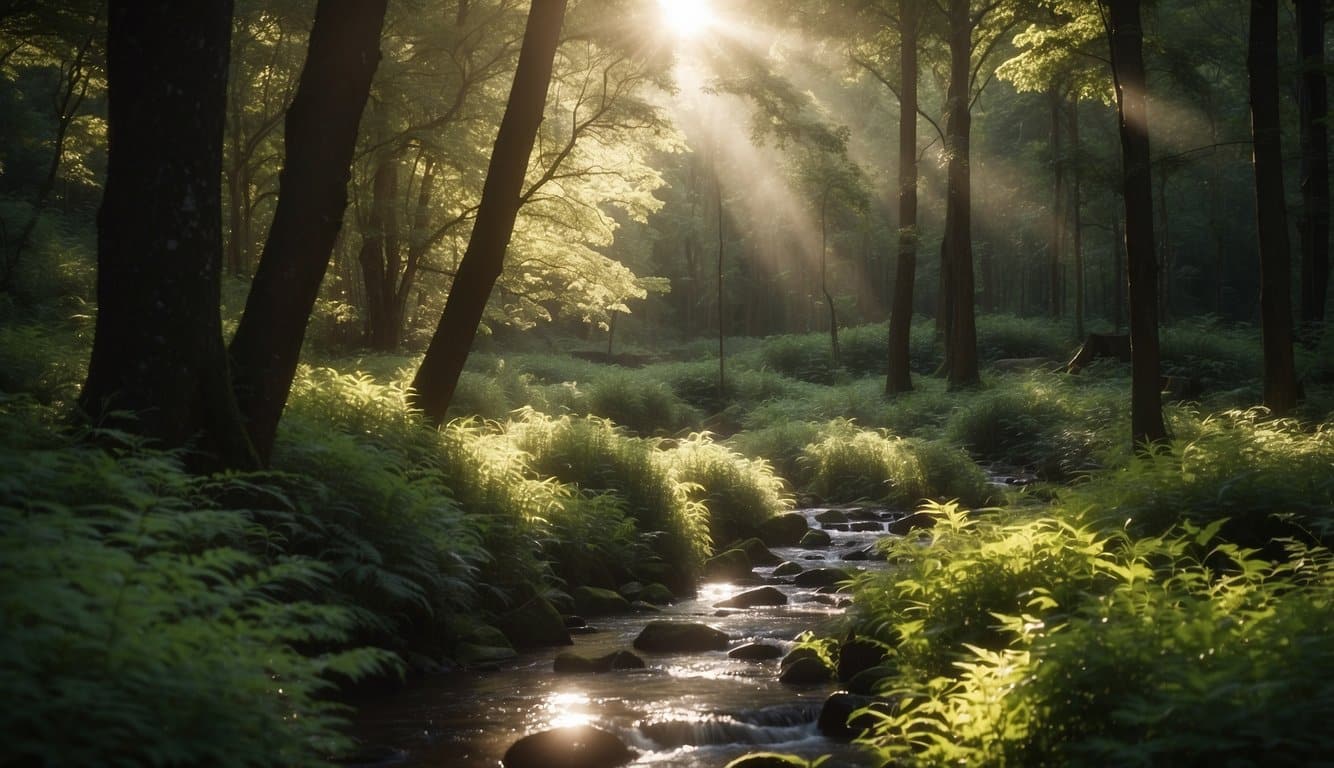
(688, 710)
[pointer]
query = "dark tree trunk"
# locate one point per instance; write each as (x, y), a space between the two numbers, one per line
(379, 259)
(899, 378)
(433, 387)
(1126, 41)
(961, 339)
(1077, 213)
(1057, 235)
(1314, 223)
(158, 366)
(1280, 379)
(824, 279)
(1118, 274)
(722, 326)
(321, 135)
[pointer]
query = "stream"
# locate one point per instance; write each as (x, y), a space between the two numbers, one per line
(688, 710)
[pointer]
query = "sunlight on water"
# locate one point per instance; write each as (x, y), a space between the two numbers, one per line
(566, 709)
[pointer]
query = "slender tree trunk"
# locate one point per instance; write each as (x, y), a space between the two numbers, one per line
(1314, 223)
(1165, 249)
(1057, 235)
(961, 340)
(433, 387)
(321, 135)
(1118, 274)
(158, 364)
(899, 377)
(824, 279)
(1077, 211)
(722, 326)
(1280, 379)
(1126, 41)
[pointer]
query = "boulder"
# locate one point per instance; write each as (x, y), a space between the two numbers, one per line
(868, 681)
(840, 527)
(806, 671)
(753, 598)
(473, 655)
(855, 555)
(815, 538)
(631, 590)
(832, 516)
(639, 606)
(821, 577)
(858, 655)
(767, 760)
(797, 654)
(914, 522)
(755, 652)
(680, 637)
(581, 746)
(570, 663)
(758, 553)
(867, 526)
(593, 601)
(788, 568)
(784, 530)
(657, 594)
(535, 624)
(836, 721)
(729, 565)
(575, 622)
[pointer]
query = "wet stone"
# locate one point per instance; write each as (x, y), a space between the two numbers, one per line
(576, 747)
(755, 652)
(788, 568)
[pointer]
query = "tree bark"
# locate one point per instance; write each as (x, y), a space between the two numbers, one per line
(1126, 39)
(961, 340)
(824, 278)
(1280, 379)
(321, 135)
(433, 387)
(1057, 235)
(1314, 223)
(899, 377)
(1077, 213)
(158, 367)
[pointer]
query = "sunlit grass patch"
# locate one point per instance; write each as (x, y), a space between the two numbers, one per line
(849, 463)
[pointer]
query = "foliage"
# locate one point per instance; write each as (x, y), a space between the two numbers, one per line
(739, 493)
(849, 464)
(147, 623)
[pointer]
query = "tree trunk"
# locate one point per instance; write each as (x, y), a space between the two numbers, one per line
(1314, 224)
(1057, 234)
(380, 259)
(158, 366)
(824, 279)
(321, 135)
(1118, 274)
(1077, 211)
(899, 378)
(1126, 38)
(433, 387)
(961, 340)
(1280, 379)
(722, 328)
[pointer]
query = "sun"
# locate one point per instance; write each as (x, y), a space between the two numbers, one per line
(687, 18)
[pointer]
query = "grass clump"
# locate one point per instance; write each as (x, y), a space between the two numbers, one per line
(639, 403)
(739, 493)
(848, 464)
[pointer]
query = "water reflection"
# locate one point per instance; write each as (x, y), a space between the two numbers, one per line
(565, 710)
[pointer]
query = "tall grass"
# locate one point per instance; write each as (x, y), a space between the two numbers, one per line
(848, 464)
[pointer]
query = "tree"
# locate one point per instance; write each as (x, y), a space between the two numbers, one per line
(1314, 221)
(1126, 40)
(1280, 378)
(320, 137)
(158, 366)
(433, 386)
(899, 377)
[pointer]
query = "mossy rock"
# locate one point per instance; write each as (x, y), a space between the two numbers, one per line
(806, 671)
(914, 522)
(753, 598)
(680, 637)
(758, 553)
(868, 681)
(535, 624)
(473, 655)
(730, 565)
(799, 653)
(832, 516)
(859, 655)
(657, 594)
(814, 538)
(837, 721)
(821, 577)
(784, 530)
(593, 601)
(788, 568)
(580, 746)
(755, 652)
(571, 663)
(768, 760)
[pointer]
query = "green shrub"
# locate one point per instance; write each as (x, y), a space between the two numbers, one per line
(739, 493)
(850, 464)
(46, 362)
(807, 358)
(1002, 337)
(783, 444)
(145, 624)
(1217, 355)
(639, 403)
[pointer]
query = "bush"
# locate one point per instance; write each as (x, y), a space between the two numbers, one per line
(1001, 337)
(640, 403)
(739, 493)
(146, 624)
(850, 464)
(783, 445)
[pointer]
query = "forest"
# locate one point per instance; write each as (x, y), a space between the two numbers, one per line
(694, 383)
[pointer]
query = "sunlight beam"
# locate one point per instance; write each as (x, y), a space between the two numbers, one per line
(687, 18)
